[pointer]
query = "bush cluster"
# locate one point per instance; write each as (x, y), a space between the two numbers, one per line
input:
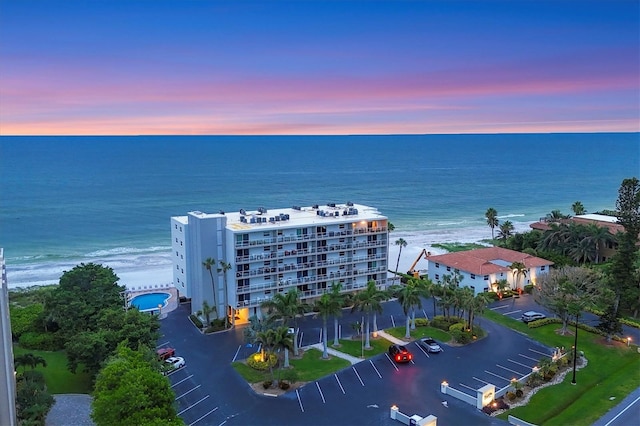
(270, 361)
(495, 405)
(422, 322)
(40, 341)
(460, 333)
(196, 321)
(528, 288)
(444, 323)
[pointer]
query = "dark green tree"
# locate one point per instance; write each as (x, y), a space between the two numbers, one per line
(578, 208)
(80, 297)
(209, 264)
(131, 391)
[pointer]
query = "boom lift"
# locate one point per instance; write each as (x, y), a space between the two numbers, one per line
(412, 271)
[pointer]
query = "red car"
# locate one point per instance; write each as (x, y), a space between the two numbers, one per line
(400, 353)
(164, 353)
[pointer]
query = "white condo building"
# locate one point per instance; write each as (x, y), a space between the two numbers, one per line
(7, 371)
(275, 250)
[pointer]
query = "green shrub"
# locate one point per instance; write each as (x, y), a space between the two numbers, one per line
(422, 322)
(196, 321)
(459, 333)
(284, 385)
(257, 364)
(511, 396)
(40, 341)
(444, 323)
(519, 393)
(24, 319)
(528, 288)
(267, 384)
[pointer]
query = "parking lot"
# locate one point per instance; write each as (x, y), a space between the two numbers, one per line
(210, 392)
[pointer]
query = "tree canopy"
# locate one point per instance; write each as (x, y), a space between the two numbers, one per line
(131, 391)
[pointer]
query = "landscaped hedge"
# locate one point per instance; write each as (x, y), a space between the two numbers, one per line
(257, 364)
(460, 334)
(581, 326)
(40, 341)
(422, 322)
(444, 323)
(196, 321)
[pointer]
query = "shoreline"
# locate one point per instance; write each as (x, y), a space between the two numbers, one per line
(138, 269)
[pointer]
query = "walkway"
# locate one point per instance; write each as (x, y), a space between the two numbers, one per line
(331, 351)
(392, 339)
(70, 409)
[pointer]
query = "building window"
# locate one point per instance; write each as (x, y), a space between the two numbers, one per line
(176, 239)
(486, 277)
(437, 277)
(448, 268)
(177, 266)
(176, 254)
(176, 226)
(437, 265)
(182, 271)
(180, 243)
(181, 257)
(473, 276)
(542, 268)
(181, 229)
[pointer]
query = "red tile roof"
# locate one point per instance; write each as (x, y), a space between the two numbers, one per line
(483, 261)
(613, 228)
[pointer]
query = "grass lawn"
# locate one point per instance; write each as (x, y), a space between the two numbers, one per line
(56, 374)
(354, 347)
(612, 370)
(455, 247)
(419, 332)
(309, 368)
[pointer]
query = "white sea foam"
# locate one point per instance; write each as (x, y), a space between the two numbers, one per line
(153, 266)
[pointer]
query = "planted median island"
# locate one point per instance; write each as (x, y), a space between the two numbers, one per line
(276, 368)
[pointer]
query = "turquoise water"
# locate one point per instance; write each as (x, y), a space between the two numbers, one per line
(66, 200)
(149, 302)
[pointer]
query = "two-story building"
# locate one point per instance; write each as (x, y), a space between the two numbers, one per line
(270, 251)
(481, 269)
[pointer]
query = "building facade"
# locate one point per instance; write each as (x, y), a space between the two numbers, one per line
(270, 251)
(7, 371)
(481, 269)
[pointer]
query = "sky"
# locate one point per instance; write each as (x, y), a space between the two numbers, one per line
(116, 67)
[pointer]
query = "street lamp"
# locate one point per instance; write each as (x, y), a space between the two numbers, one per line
(575, 351)
(628, 341)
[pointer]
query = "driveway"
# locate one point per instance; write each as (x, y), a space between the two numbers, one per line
(210, 392)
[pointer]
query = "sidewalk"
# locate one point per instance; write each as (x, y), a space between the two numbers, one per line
(392, 339)
(331, 351)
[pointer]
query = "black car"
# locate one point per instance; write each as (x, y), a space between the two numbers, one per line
(430, 345)
(400, 353)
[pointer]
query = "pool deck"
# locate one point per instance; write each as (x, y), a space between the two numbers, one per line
(172, 303)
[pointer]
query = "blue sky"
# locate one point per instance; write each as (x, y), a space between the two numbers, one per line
(327, 67)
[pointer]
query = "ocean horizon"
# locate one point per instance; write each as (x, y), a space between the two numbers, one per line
(109, 199)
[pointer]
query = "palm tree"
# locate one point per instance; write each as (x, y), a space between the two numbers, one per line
(555, 216)
(283, 340)
(599, 236)
(338, 299)
(408, 297)
(326, 306)
(368, 301)
(287, 307)
(29, 360)
(480, 302)
(207, 310)
(492, 220)
(267, 340)
(578, 208)
(505, 230)
(224, 267)
(519, 270)
(402, 243)
(208, 264)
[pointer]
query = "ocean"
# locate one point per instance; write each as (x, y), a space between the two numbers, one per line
(67, 200)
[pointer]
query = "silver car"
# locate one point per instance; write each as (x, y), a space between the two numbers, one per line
(532, 316)
(430, 345)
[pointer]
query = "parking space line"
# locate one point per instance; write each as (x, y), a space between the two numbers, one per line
(191, 424)
(320, 390)
(356, 371)
(301, 337)
(299, 400)
(339, 384)
(528, 357)
(519, 363)
(423, 351)
(188, 392)
(541, 353)
(481, 381)
(162, 344)
(186, 378)
(499, 307)
(391, 361)
(236, 355)
(393, 322)
(374, 367)
(171, 373)
(193, 405)
(512, 312)
(500, 377)
(508, 369)
(468, 387)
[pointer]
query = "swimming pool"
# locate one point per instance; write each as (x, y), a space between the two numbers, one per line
(149, 302)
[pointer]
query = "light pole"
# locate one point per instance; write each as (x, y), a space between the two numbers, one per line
(575, 351)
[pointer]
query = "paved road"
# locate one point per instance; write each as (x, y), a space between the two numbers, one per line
(210, 392)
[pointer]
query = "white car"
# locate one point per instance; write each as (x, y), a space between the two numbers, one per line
(430, 345)
(175, 362)
(532, 316)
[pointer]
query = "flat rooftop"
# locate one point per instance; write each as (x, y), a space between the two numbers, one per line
(262, 218)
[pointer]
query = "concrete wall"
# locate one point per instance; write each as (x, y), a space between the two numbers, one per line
(7, 374)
